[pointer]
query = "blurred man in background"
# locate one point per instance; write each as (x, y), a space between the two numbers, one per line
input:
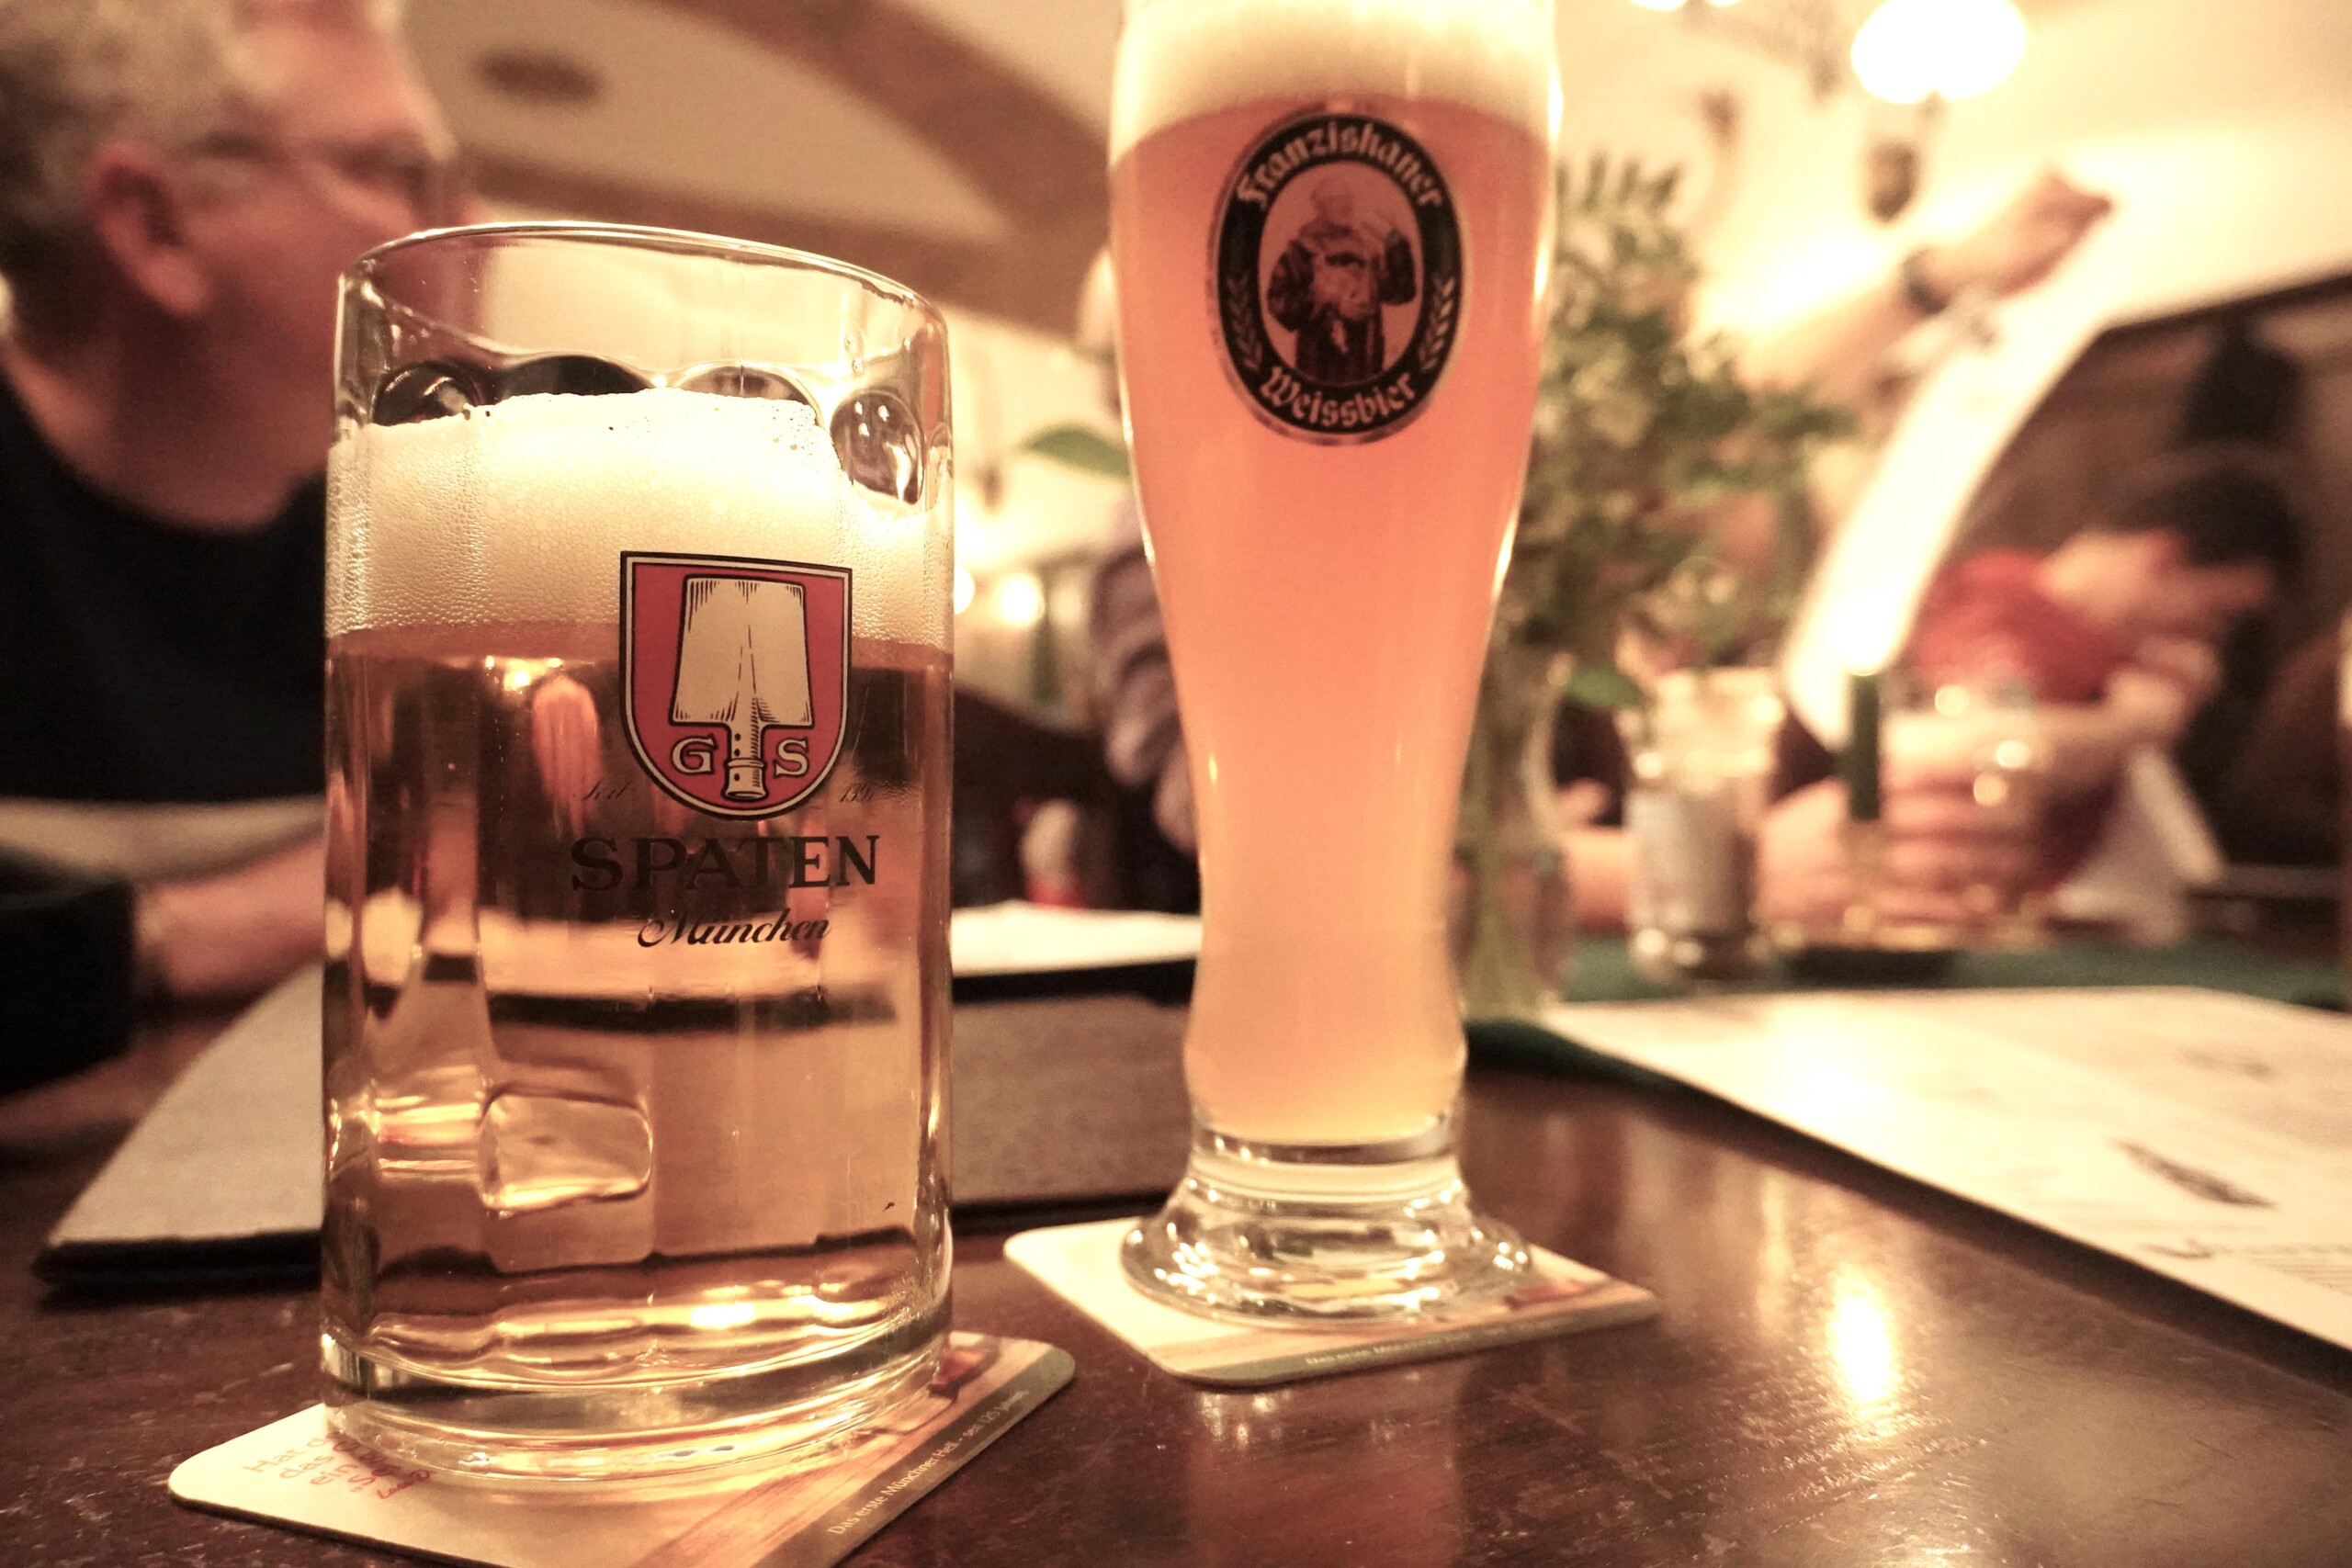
(2118, 630)
(2116, 634)
(181, 180)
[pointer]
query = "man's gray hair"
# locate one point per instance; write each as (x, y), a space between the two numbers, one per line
(74, 73)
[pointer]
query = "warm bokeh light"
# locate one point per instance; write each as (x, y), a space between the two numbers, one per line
(1861, 1346)
(1911, 50)
(722, 1315)
(1020, 598)
(965, 589)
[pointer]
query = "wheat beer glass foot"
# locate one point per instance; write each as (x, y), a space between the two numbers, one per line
(636, 978)
(1328, 222)
(1323, 1232)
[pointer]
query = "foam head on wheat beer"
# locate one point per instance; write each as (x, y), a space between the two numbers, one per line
(1330, 223)
(637, 996)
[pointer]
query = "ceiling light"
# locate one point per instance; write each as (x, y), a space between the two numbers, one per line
(1020, 598)
(1910, 51)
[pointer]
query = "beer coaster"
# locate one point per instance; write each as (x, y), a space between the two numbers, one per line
(1080, 1263)
(299, 1472)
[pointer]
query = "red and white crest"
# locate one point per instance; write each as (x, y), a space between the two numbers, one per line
(735, 677)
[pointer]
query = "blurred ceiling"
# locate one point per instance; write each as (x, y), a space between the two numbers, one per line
(956, 145)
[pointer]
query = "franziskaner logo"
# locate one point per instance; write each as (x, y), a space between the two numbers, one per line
(1337, 260)
(734, 677)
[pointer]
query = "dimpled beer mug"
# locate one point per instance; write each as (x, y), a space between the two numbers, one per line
(1330, 221)
(637, 891)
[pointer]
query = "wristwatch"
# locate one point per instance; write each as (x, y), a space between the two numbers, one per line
(1924, 296)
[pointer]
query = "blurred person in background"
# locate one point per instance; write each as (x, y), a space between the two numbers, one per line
(2119, 630)
(1133, 684)
(181, 181)
(1845, 353)
(2261, 757)
(2116, 633)
(2282, 798)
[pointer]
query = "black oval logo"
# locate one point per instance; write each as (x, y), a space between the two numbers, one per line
(1339, 276)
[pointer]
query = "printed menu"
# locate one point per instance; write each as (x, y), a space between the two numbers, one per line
(2203, 1136)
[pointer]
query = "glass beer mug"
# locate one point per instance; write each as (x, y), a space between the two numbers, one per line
(637, 737)
(1331, 223)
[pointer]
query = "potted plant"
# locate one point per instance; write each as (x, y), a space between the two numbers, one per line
(1665, 528)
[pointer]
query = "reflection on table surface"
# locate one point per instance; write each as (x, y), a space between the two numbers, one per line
(1848, 1370)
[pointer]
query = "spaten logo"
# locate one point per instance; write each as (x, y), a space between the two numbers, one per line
(734, 677)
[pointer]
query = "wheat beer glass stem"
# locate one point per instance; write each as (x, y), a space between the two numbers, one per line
(1329, 430)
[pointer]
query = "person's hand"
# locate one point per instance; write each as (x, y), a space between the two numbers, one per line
(1950, 855)
(2020, 246)
(238, 933)
(1801, 874)
(2148, 707)
(1960, 843)
(2187, 662)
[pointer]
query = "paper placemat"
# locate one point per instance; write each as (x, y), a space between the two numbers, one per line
(1017, 938)
(299, 1473)
(228, 1159)
(1080, 1264)
(1053, 1102)
(2204, 1136)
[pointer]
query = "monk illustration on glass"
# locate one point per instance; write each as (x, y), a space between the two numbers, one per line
(1331, 282)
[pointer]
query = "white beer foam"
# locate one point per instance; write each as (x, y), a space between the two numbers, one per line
(519, 510)
(1183, 57)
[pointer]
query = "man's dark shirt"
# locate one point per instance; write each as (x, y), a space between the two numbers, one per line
(140, 662)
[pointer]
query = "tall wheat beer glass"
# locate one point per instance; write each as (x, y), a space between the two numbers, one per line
(637, 959)
(1331, 221)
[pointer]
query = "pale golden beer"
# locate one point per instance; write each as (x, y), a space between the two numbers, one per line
(1330, 225)
(636, 1002)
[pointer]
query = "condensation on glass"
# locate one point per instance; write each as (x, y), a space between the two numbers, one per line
(637, 909)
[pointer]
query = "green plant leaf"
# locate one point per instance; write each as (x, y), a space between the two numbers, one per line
(1645, 433)
(1600, 685)
(1081, 447)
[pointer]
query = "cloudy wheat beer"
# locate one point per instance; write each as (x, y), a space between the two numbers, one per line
(637, 984)
(1329, 224)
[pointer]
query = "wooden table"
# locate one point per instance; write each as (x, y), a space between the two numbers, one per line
(1849, 1370)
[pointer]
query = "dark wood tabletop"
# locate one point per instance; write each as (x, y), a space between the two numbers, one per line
(1849, 1370)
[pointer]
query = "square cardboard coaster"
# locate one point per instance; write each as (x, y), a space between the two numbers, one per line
(298, 1472)
(1080, 1263)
